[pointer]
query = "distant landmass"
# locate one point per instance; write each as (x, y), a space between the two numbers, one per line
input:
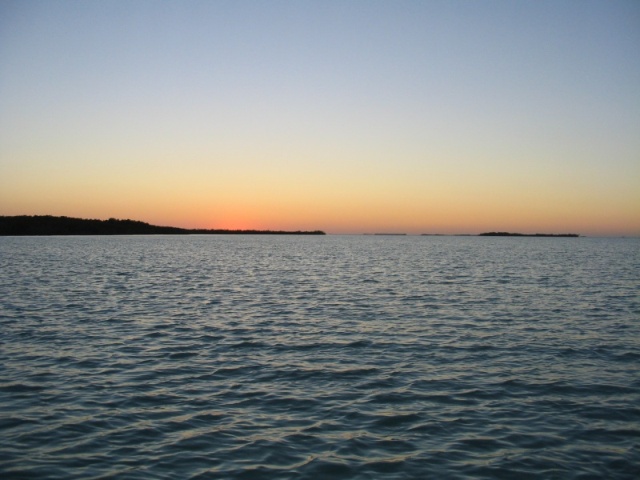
(508, 234)
(51, 225)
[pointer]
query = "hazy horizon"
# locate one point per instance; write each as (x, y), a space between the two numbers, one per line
(440, 117)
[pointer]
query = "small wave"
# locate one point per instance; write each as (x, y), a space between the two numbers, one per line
(359, 344)
(21, 388)
(392, 421)
(183, 355)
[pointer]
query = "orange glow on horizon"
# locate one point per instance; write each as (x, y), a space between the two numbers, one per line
(284, 203)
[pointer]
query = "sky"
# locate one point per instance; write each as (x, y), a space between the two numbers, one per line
(346, 116)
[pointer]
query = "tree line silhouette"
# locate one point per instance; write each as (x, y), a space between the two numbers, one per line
(52, 225)
(508, 234)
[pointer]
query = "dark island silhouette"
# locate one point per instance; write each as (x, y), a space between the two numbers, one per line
(508, 234)
(22, 225)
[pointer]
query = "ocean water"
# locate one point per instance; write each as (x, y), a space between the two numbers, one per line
(341, 357)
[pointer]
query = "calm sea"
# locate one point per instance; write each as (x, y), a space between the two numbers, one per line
(339, 357)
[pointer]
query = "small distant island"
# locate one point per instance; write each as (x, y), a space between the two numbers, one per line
(22, 225)
(508, 234)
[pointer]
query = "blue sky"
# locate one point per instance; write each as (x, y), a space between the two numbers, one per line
(347, 116)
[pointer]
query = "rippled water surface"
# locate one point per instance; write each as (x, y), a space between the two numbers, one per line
(319, 357)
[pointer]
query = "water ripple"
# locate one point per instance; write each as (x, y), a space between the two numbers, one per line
(333, 357)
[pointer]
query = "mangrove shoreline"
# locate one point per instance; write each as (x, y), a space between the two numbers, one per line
(24, 225)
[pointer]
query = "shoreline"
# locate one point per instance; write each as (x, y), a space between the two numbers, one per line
(48, 225)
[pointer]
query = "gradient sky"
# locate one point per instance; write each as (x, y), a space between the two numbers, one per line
(346, 116)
